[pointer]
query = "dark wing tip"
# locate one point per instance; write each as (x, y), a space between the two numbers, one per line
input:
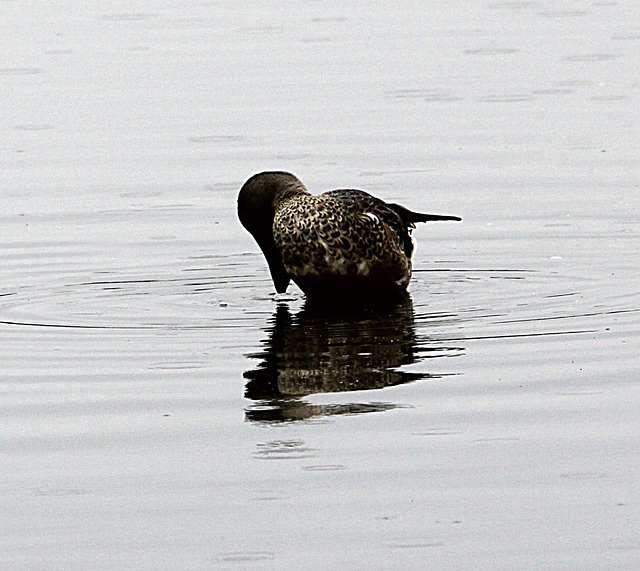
(436, 217)
(410, 218)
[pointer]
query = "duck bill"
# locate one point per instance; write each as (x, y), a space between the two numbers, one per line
(279, 274)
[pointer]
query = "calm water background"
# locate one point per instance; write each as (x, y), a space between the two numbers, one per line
(160, 410)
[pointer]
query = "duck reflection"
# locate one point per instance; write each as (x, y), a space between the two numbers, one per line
(320, 351)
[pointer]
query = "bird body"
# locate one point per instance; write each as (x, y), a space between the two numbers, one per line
(341, 244)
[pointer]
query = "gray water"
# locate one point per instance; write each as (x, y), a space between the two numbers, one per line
(161, 409)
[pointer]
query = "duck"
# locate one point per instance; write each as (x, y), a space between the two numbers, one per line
(342, 244)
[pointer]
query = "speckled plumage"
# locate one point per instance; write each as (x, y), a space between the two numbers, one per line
(338, 235)
(342, 243)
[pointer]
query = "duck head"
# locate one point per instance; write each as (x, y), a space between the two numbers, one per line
(257, 203)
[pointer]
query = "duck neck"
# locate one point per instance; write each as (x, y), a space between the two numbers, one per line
(288, 191)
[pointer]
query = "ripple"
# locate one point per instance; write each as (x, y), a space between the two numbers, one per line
(245, 556)
(128, 17)
(161, 303)
(329, 19)
(324, 468)
(490, 51)
(563, 14)
(60, 492)
(59, 51)
(187, 296)
(609, 98)
(624, 545)
(627, 38)
(590, 57)
(215, 139)
(417, 544)
(284, 450)
(552, 91)
(437, 432)
(582, 476)
(512, 5)
(34, 127)
(317, 40)
(429, 95)
(20, 70)
(507, 98)
(179, 365)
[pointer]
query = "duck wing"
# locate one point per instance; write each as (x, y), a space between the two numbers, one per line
(361, 203)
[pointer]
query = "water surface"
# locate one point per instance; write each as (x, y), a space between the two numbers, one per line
(160, 408)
